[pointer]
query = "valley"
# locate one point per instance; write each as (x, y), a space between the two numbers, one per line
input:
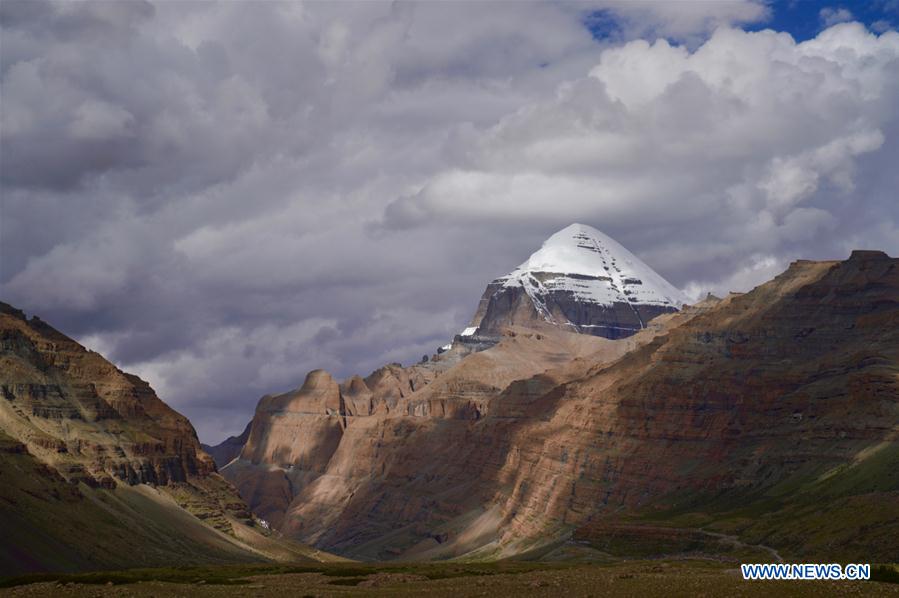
(760, 427)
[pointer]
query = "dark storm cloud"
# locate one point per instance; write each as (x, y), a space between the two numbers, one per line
(98, 135)
(221, 197)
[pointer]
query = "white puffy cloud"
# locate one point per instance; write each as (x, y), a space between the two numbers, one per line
(749, 143)
(687, 21)
(831, 16)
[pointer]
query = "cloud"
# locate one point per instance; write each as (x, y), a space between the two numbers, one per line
(831, 16)
(756, 269)
(881, 26)
(737, 142)
(222, 196)
(688, 21)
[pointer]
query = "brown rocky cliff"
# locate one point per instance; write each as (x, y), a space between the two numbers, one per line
(79, 413)
(92, 423)
(294, 436)
(384, 428)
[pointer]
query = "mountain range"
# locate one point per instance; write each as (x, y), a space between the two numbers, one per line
(586, 412)
(526, 433)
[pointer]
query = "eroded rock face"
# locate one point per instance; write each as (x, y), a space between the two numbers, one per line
(89, 422)
(538, 434)
(393, 428)
(294, 436)
(82, 415)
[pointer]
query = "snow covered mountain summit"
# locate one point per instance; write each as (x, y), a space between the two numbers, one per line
(581, 280)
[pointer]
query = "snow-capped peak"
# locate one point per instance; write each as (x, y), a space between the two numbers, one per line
(596, 269)
(580, 280)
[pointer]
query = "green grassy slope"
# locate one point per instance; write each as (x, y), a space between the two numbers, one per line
(849, 513)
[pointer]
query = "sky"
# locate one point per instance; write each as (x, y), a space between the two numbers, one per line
(220, 197)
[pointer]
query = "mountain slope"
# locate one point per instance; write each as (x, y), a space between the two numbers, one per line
(751, 403)
(50, 524)
(98, 472)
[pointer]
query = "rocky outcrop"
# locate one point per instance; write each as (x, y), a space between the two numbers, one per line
(760, 392)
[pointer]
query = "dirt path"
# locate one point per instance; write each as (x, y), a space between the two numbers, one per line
(738, 542)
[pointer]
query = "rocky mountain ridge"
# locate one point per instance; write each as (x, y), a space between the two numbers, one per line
(298, 437)
(499, 452)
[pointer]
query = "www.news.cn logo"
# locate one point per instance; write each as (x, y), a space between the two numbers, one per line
(806, 571)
